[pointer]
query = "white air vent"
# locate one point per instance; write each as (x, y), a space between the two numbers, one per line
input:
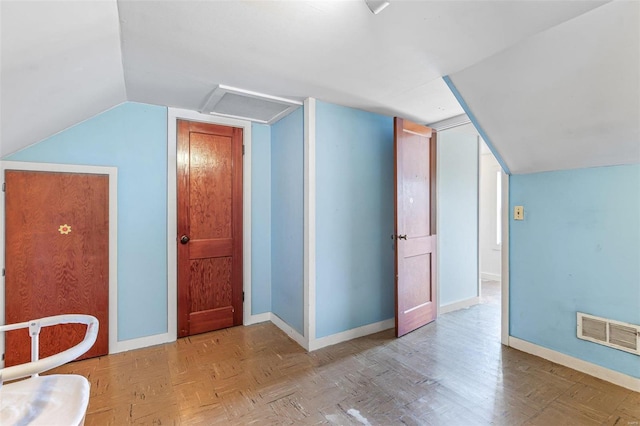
(239, 103)
(615, 334)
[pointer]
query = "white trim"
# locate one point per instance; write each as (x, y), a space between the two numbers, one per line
(309, 221)
(461, 304)
(289, 331)
(504, 275)
(598, 371)
(143, 342)
(172, 225)
(487, 276)
(449, 123)
(258, 318)
(354, 333)
(112, 172)
(438, 204)
(478, 188)
(333, 339)
(173, 114)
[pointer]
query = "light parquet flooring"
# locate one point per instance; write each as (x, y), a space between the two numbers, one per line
(451, 372)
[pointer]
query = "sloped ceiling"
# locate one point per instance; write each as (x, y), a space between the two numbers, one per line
(63, 62)
(568, 97)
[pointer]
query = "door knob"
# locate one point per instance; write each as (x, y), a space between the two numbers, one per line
(184, 239)
(402, 237)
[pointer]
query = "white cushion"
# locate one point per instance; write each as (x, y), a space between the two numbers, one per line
(59, 399)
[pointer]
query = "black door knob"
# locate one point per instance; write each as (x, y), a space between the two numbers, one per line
(184, 239)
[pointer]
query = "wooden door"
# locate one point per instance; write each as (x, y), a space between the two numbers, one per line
(209, 234)
(415, 213)
(56, 258)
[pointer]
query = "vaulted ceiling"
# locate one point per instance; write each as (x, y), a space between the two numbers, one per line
(553, 84)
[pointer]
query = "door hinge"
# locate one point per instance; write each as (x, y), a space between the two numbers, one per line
(242, 149)
(243, 296)
(3, 272)
(4, 186)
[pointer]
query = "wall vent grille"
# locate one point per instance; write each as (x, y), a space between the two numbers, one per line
(615, 334)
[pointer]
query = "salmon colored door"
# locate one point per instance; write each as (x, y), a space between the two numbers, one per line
(209, 234)
(56, 258)
(415, 213)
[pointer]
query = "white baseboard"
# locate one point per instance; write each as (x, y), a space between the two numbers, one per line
(159, 339)
(487, 276)
(141, 342)
(354, 333)
(594, 370)
(289, 331)
(458, 305)
(258, 318)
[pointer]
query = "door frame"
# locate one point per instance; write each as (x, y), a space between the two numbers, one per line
(112, 172)
(504, 267)
(504, 264)
(173, 115)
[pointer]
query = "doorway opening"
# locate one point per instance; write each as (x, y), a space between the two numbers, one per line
(489, 228)
(470, 212)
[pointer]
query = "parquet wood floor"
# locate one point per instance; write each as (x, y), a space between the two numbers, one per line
(451, 372)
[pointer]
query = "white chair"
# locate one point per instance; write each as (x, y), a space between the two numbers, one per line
(58, 399)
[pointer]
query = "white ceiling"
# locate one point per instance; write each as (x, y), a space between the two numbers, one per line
(65, 61)
(61, 64)
(568, 97)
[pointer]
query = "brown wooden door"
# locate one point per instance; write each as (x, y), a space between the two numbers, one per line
(415, 213)
(209, 234)
(56, 258)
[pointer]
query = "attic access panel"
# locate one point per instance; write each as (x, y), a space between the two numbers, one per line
(246, 105)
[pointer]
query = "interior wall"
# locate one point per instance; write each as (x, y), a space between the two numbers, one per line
(260, 218)
(287, 219)
(577, 249)
(457, 177)
(132, 137)
(354, 219)
(490, 250)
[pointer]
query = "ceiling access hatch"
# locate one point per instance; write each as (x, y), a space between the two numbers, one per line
(246, 105)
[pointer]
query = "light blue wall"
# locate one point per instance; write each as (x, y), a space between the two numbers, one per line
(457, 216)
(578, 249)
(260, 218)
(287, 219)
(354, 214)
(132, 137)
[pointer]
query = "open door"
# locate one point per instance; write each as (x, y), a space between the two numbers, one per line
(415, 214)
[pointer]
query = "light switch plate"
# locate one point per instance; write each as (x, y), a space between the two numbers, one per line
(518, 213)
